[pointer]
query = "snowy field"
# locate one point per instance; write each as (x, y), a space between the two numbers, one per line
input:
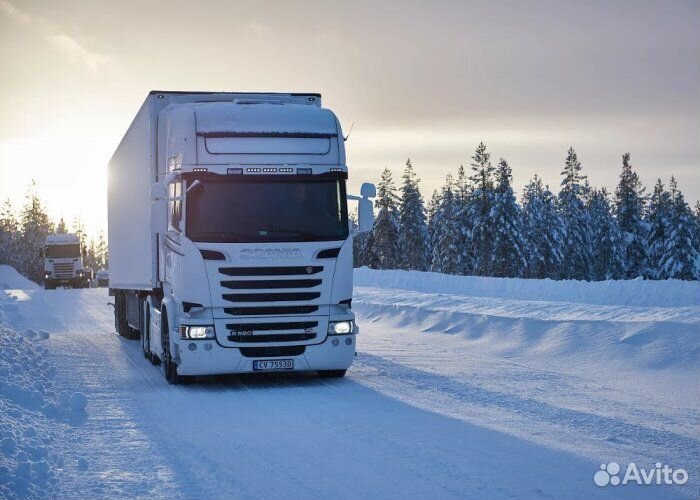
(462, 388)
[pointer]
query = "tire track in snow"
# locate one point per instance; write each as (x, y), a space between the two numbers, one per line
(653, 444)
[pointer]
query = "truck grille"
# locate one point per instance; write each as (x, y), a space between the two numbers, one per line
(267, 311)
(269, 284)
(270, 271)
(272, 291)
(270, 297)
(291, 285)
(288, 331)
(63, 270)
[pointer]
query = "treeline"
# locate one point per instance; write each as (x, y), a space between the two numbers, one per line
(23, 232)
(474, 225)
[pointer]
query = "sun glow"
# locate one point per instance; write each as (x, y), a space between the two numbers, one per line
(70, 172)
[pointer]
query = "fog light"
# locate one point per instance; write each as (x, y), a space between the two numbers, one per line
(192, 346)
(207, 346)
(348, 341)
(335, 342)
(340, 328)
(197, 332)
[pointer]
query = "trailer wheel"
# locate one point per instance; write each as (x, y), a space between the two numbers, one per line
(169, 366)
(120, 314)
(331, 373)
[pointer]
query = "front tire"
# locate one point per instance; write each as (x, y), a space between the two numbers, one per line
(331, 373)
(146, 337)
(169, 366)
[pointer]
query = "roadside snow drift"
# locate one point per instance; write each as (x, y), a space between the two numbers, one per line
(462, 388)
(11, 279)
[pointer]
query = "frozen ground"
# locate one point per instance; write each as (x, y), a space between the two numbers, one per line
(462, 388)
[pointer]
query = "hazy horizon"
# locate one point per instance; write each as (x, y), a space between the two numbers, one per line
(529, 79)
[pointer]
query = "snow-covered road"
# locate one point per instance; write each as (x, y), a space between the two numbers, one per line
(451, 396)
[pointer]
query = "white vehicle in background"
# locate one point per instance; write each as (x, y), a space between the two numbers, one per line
(63, 262)
(102, 278)
(229, 243)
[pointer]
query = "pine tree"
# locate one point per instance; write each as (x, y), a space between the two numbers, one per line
(413, 227)
(477, 215)
(36, 225)
(102, 251)
(508, 256)
(629, 209)
(382, 244)
(445, 256)
(544, 231)
(680, 259)
(577, 248)
(61, 227)
(463, 201)
(608, 260)
(9, 236)
(78, 228)
(658, 220)
(433, 205)
(91, 255)
(696, 236)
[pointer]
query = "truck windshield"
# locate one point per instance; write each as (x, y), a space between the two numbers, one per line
(62, 251)
(269, 210)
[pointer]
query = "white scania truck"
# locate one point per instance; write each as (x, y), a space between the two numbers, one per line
(63, 262)
(229, 244)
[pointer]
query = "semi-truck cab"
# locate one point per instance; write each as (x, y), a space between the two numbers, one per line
(229, 241)
(63, 262)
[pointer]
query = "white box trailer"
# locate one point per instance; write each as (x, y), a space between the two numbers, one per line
(229, 243)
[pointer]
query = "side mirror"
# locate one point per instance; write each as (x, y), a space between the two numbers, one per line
(368, 190)
(365, 215)
(159, 216)
(365, 208)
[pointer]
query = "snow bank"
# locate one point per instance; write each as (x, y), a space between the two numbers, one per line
(667, 293)
(31, 409)
(10, 279)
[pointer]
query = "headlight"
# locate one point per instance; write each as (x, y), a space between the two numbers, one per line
(197, 332)
(340, 328)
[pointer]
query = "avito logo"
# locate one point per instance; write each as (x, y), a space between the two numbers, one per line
(659, 474)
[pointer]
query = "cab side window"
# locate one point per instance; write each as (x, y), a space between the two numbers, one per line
(175, 206)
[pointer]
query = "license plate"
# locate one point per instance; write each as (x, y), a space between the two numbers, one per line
(273, 364)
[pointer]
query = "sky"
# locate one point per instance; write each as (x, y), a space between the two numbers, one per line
(425, 80)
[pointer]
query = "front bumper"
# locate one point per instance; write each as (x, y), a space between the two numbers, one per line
(221, 360)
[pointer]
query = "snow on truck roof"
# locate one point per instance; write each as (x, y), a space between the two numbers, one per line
(250, 116)
(62, 239)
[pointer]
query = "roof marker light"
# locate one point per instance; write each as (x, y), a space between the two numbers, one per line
(287, 170)
(269, 169)
(336, 169)
(253, 169)
(199, 169)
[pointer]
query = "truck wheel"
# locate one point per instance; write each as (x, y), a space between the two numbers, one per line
(122, 325)
(169, 366)
(331, 373)
(146, 338)
(120, 314)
